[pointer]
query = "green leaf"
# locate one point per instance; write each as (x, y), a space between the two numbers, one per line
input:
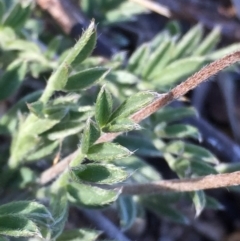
(18, 226)
(177, 131)
(189, 167)
(89, 196)
(20, 149)
(122, 77)
(64, 129)
(53, 46)
(164, 210)
(139, 145)
(139, 170)
(84, 79)
(187, 150)
(228, 167)
(58, 79)
(59, 205)
(11, 79)
(79, 235)
(133, 104)
(45, 149)
(209, 42)
(158, 59)
(32, 210)
(55, 112)
(103, 108)
(201, 168)
(213, 203)
(89, 43)
(61, 77)
(38, 126)
(178, 70)
(127, 211)
(121, 125)
(17, 15)
(217, 54)
(189, 42)
(199, 201)
(138, 59)
(36, 108)
(90, 135)
(23, 45)
(173, 27)
(107, 152)
(50, 111)
(9, 120)
(170, 114)
(2, 10)
(98, 173)
(27, 177)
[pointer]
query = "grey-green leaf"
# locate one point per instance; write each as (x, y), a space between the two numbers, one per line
(58, 79)
(9, 120)
(98, 173)
(121, 125)
(103, 108)
(213, 203)
(36, 108)
(89, 196)
(88, 47)
(64, 129)
(178, 70)
(2, 9)
(30, 209)
(79, 235)
(199, 201)
(107, 152)
(11, 79)
(164, 210)
(122, 77)
(170, 114)
(189, 41)
(138, 59)
(219, 53)
(177, 131)
(133, 104)
(188, 150)
(59, 206)
(158, 59)
(84, 79)
(18, 226)
(209, 42)
(139, 144)
(17, 15)
(90, 135)
(127, 211)
(45, 149)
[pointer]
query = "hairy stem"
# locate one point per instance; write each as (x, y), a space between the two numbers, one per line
(184, 185)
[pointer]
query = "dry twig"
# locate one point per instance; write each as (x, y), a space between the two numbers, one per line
(155, 7)
(184, 185)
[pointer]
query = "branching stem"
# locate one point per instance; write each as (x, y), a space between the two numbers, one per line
(207, 182)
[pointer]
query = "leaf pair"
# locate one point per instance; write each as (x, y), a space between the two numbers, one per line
(119, 120)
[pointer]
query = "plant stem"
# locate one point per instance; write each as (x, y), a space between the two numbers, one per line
(184, 185)
(164, 99)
